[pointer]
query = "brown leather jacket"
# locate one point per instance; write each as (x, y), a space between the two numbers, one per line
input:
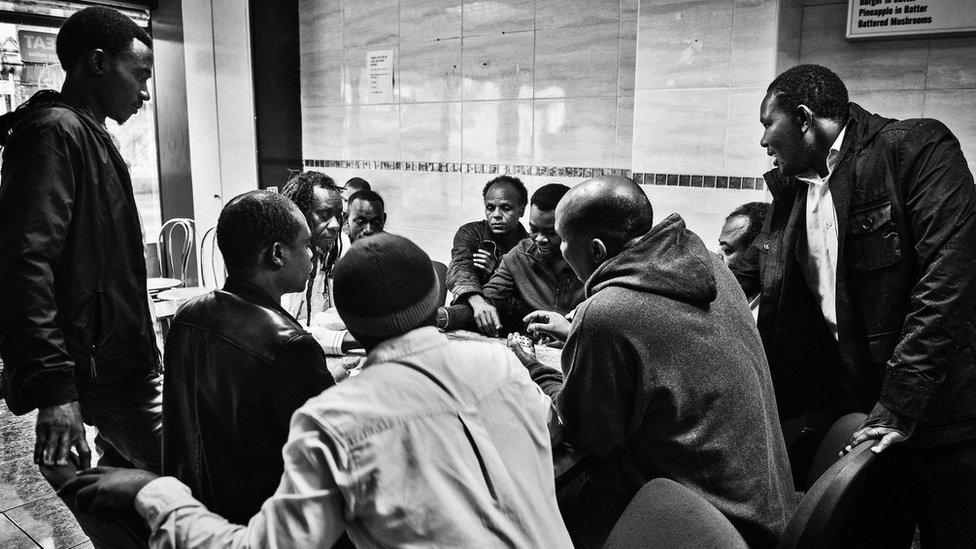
(237, 367)
(906, 281)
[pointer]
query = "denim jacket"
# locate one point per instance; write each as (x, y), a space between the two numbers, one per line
(435, 443)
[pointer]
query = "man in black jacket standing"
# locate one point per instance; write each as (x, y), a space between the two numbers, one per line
(867, 265)
(76, 334)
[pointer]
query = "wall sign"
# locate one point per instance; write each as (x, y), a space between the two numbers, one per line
(379, 74)
(37, 47)
(901, 18)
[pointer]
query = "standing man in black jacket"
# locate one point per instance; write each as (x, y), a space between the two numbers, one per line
(77, 336)
(867, 265)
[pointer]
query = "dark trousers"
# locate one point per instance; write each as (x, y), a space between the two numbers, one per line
(129, 417)
(944, 494)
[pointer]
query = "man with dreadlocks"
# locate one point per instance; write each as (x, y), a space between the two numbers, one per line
(320, 200)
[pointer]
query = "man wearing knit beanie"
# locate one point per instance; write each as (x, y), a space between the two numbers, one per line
(434, 443)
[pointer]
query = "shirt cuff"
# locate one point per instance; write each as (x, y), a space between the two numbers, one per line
(329, 340)
(161, 497)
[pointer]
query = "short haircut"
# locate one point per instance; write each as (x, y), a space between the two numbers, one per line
(96, 27)
(515, 182)
(548, 196)
(817, 87)
(368, 196)
(358, 183)
(612, 218)
(252, 222)
(756, 212)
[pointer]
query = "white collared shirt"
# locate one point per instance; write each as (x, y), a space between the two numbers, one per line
(820, 267)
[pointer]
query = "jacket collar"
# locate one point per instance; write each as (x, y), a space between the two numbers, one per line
(412, 342)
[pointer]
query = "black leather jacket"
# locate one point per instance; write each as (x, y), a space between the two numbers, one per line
(237, 367)
(73, 301)
(906, 281)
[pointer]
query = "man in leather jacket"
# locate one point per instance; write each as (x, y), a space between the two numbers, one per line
(867, 266)
(238, 365)
(76, 333)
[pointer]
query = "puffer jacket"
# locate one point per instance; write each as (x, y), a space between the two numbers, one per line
(906, 281)
(73, 301)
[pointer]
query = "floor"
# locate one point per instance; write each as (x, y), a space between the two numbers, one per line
(31, 515)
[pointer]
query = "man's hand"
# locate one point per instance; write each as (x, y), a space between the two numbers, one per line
(106, 490)
(59, 428)
(549, 323)
(485, 315)
(525, 357)
(484, 260)
(885, 425)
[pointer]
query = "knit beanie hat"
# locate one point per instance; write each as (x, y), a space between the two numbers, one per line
(384, 286)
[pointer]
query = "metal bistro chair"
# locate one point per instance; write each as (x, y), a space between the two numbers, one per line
(176, 238)
(211, 262)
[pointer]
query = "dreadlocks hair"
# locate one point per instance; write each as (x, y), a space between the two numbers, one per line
(301, 190)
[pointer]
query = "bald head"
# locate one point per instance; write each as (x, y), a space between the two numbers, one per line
(598, 217)
(612, 208)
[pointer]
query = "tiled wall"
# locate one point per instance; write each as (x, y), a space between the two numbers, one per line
(515, 85)
(701, 71)
(930, 77)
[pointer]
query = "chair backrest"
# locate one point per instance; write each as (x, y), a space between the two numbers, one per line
(213, 273)
(666, 514)
(823, 509)
(176, 241)
(440, 270)
(833, 442)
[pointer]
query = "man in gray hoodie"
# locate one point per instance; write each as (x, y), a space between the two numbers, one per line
(664, 373)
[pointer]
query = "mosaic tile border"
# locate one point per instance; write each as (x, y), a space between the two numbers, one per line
(662, 179)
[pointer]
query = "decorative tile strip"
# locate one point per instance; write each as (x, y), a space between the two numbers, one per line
(663, 179)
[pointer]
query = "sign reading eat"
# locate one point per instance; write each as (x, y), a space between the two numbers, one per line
(37, 47)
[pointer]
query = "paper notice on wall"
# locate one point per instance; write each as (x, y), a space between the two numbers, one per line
(891, 18)
(379, 76)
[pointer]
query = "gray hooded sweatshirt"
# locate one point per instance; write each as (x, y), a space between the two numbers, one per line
(665, 376)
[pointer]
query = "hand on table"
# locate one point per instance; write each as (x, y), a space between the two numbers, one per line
(484, 260)
(526, 357)
(59, 428)
(882, 424)
(485, 315)
(548, 323)
(106, 490)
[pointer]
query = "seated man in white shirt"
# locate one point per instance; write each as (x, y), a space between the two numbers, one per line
(435, 443)
(320, 199)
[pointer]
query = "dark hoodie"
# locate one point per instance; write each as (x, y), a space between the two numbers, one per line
(665, 376)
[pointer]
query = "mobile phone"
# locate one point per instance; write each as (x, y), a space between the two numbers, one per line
(490, 247)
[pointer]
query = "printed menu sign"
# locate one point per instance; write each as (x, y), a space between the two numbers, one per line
(889, 18)
(379, 74)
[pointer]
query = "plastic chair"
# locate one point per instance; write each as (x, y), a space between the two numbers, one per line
(833, 442)
(440, 270)
(176, 240)
(211, 262)
(849, 501)
(666, 514)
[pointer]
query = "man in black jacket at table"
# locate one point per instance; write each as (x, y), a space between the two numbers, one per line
(238, 365)
(76, 333)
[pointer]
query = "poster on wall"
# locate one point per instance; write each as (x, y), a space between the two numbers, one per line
(379, 76)
(905, 18)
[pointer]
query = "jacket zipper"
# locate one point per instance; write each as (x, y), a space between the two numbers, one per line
(91, 364)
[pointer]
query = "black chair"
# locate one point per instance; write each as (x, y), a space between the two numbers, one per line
(666, 514)
(833, 442)
(862, 500)
(440, 270)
